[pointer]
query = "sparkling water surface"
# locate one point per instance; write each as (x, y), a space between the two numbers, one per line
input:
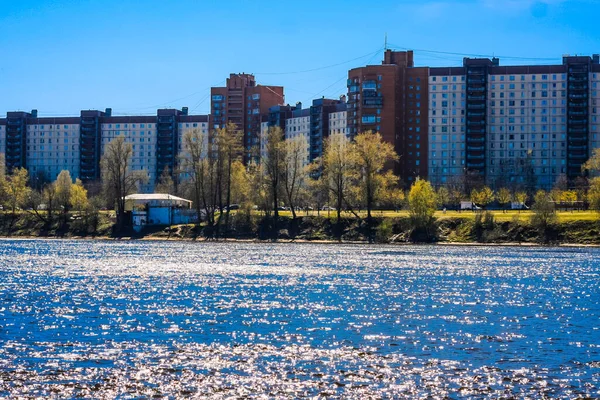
(98, 319)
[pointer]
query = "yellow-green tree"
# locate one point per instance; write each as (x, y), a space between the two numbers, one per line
(521, 198)
(422, 203)
(371, 154)
(593, 163)
(62, 187)
(443, 196)
(482, 197)
(544, 212)
(568, 196)
(504, 197)
(593, 195)
(78, 197)
(16, 190)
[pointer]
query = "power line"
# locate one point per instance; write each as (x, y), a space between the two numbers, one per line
(475, 55)
(319, 68)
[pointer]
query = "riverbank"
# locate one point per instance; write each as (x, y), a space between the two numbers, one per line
(461, 230)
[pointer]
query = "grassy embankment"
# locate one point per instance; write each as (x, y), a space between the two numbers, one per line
(578, 227)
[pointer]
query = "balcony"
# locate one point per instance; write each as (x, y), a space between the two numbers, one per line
(476, 114)
(577, 130)
(475, 71)
(476, 89)
(475, 140)
(476, 148)
(578, 113)
(475, 123)
(14, 122)
(578, 105)
(578, 88)
(475, 107)
(475, 165)
(475, 98)
(578, 156)
(577, 147)
(578, 78)
(476, 131)
(374, 102)
(577, 96)
(472, 157)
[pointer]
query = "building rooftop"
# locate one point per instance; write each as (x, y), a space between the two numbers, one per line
(154, 196)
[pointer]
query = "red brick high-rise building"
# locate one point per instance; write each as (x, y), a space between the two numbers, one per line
(243, 102)
(392, 99)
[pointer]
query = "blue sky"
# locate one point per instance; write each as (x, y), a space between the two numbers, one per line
(62, 56)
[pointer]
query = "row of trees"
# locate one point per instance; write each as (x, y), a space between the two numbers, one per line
(350, 176)
(55, 199)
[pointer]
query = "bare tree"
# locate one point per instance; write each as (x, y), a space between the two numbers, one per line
(273, 165)
(118, 177)
(199, 165)
(294, 169)
(371, 154)
(339, 170)
(229, 150)
(165, 182)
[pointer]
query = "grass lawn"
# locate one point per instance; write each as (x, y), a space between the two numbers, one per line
(499, 215)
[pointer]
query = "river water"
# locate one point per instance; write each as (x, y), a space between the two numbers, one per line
(102, 319)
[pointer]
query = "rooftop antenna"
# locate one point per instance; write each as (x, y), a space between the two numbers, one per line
(385, 42)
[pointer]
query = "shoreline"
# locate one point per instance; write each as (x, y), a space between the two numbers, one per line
(299, 241)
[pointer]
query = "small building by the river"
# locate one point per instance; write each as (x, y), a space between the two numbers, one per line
(158, 209)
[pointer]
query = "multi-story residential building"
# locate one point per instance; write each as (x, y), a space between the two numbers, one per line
(313, 124)
(320, 112)
(391, 99)
(512, 125)
(482, 122)
(243, 103)
(46, 146)
(338, 123)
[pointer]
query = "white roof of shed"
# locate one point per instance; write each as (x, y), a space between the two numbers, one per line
(154, 196)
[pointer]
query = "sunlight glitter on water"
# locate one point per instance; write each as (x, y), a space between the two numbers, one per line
(131, 319)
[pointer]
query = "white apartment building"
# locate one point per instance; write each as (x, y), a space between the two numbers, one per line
(52, 146)
(533, 118)
(338, 123)
(446, 128)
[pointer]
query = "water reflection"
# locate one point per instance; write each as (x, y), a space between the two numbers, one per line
(106, 319)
